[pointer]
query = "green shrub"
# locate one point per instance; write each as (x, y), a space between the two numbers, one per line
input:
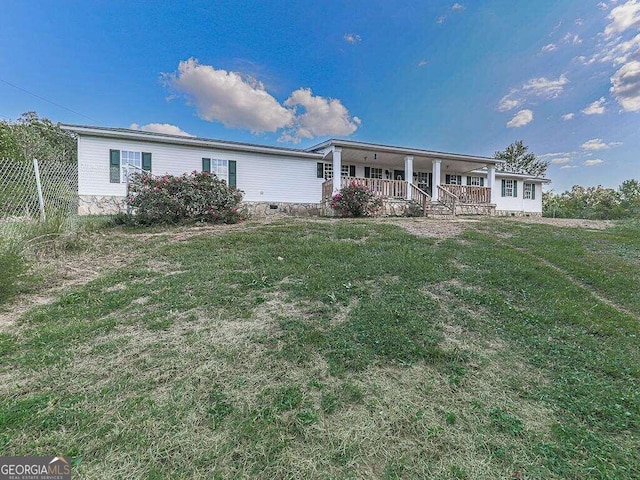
(199, 196)
(355, 201)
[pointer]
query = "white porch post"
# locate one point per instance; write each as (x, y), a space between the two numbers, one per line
(436, 180)
(337, 169)
(408, 173)
(491, 182)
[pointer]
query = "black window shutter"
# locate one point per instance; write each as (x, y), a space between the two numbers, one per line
(459, 182)
(482, 181)
(114, 166)
(468, 180)
(146, 162)
(447, 179)
(503, 187)
(515, 188)
(367, 172)
(232, 173)
(533, 191)
(206, 165)
(320, 172)
(352, 170)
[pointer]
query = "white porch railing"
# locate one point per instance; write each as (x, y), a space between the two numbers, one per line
(379, 186)
(470, 194)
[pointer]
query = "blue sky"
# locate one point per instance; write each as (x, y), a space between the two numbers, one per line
(468, 77)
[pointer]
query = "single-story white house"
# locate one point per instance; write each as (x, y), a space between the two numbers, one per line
(294, 180)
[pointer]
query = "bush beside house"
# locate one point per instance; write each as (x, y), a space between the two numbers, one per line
(355, 201)
(198, 196)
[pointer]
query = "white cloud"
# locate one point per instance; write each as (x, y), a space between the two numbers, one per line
(241, 102)
(595, 108)
(619, 52)
(561, 160)
(166, 128)
(352, 38)
(591, 163)
(568, 116)
(322, 116)
(545, 87)
(457, 6)
(508, 103)
(567, 166)
(550, 47)
(579, 21)
(540, 87)
(603, 6)
(441, 19)
(623, 17)
(555, 154)
(520, 119)
(422, 63)
(625, 86)
(598, 144)
(229, 98)
(571, 38)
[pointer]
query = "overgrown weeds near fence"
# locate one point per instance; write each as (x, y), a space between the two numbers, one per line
(38, 205)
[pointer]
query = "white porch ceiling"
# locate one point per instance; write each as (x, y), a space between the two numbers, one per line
(357, 156)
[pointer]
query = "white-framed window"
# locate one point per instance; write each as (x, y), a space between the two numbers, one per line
(345, 170)
(529, 191)
(130, 162)
(328, 170)
(220, 168)
(376, 172)
(475, 181)
(509, 188)
(453, 179)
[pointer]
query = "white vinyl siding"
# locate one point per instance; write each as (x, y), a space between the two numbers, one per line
(263, 177)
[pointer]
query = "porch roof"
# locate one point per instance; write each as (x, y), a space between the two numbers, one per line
(378, 154)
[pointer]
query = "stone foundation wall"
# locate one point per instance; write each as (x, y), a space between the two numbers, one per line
(100, 205)
(263, 209)
(390, 208)
(517, 213)
(474, 209)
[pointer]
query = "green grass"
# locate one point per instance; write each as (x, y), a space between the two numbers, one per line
(338, 349)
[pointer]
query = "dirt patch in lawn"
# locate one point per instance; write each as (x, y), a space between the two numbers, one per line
(563, 222)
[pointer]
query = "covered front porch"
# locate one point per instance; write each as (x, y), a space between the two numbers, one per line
(418, 176)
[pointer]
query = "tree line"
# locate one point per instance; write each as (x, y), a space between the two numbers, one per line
(32, 137)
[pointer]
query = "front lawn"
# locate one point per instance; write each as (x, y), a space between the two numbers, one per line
(337, 349)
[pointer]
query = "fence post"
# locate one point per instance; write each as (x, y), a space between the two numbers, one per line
(36, 170)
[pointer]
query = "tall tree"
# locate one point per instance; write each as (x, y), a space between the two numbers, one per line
(518, 159)
(33, 137)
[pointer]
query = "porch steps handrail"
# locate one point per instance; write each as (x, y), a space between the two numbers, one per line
(448, 199)
(327, 189)
(420, 197)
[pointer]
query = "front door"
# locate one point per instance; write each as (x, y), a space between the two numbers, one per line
(398, 174)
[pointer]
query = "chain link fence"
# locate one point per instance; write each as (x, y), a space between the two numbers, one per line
(34, 191)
